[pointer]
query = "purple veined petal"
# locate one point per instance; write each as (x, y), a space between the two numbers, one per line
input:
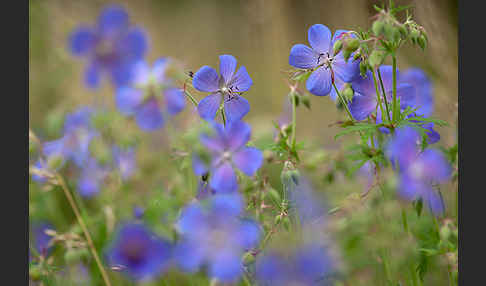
(227, 67)
(319, 37)
(209, 105)
(303, 57)
(226, 266)
(423, 90)
(148, 116)
(340, 85)
(206, 79)
(159, 68)
(249, 233)
(347, 71)
(82, 41)
(364, 85)
(362, 106)
(128, 99)
(224, 179)
(92, 75)
(134, 44)
(241, 80)
(248, 160)
(237, 133)
(198, 166)
(406, 93)
(319, 83)
(175, 100)
(434, 202)
(112, 20)
(236, 108)
(141, 73)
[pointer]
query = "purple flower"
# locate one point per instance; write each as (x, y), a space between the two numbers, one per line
(364, 101)
(91, 178)
(110, 47)
(423, 99)
(226, 87)
(40, 238)
(320, 58)
(228, 150)
(213, 235)
(124, 161)
(138, 252)
(303, 200)
(309, 265)
(418, 171)
(149, 96)
(138, 212)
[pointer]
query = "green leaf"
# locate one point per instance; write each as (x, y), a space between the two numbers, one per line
(424, 119)
(357, 127)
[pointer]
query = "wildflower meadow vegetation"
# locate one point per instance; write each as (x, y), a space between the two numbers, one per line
(122, 192)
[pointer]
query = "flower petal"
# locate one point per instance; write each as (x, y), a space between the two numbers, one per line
(175, 100)
(92, 76)
(432, 135)
(141, 73)
(249, 233)
(362, 106)
(241, 81)
(224, 179)
(319, 82)
(112, 20)
(159, 68)
(198, 165)
(227, 67)
(206, 79)
(237, 134)
(236, 108)
(127, 99)
(248, 160)
(209, 105)
(406, 93)
(303, 57)
(319, 37)
(347, 71)
(364, 85)
(423, 90)
(226, 267)
(435, 202)
(148, 116)
(134, 45)
(339, 84)
(82, 41)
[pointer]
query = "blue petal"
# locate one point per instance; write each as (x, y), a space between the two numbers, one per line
(227, 205)
(134, 45)
(319, 82)
(82, 41)
(226, 267)
(127, 99)
(406, 93)
(362, 106)
(88, 187)
(236, 108)
(148, 116)
(227, 67)
(209, 105)
(339, 84)
(92, 75)
(423, 90)
(122, 73)
(191, 218)
(112, 20)
(189, 255)
(364, 85)
(237, 134)
(249, 233)
(39, 178)
(438, 168)
(213, 144)
(347, 71)
(319, 37)
(241, 80)
(224, 179)
(303, 57)
(432, 135)
(386, 72)
(159, 68)
(198, 166)
(141, 74)
(248, 160)
(338, 33)
(206, 79)
(175, 100)
(435, 202)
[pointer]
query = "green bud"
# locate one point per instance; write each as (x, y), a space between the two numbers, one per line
(346, 54)
(348, 92)
(337, 47)
(422, 42)
(403, 31)
(377, 27)
(35, 272)
(277, 219)
(376, 58)
(414, 33)
(248, 258)
(286, 223)
(445, 232)
(352, 44)
(274, 194)
(306, 101)
(357, 55)
(391, 32)
(363, 67)
(295, 175)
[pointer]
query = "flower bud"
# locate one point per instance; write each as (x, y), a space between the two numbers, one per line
(377, 27)
(346, 54)
(376, 58)
(352, 44)
(35, 272)
(363, 67)
(248, 258)
(348, 92)
(337, 47)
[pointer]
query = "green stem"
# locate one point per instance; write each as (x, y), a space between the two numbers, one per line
(223, 117)
(378, 95)
(194, 101)
(395, 107)
(343, 102)
(294, 120)
(384, 95)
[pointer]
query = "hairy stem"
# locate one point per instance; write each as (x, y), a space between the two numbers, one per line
(294, 120)
(395, 103)
(378, 95)
(343, 102)
(384, 95)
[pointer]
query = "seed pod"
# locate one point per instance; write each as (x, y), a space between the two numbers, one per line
(377, 27)
(352, 44)
(337, 47)
(376, 58)
(363, 67)
(348, 92)
(346, 54)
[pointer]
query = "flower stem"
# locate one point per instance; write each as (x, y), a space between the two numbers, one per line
(343, 102)
(223, 117)
(395, 107)
(378, 95)
(384, 95)
(194, 101)
(294, 120)
(75, 209)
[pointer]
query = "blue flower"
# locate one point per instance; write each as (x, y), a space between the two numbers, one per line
(309, 265)
(226, 87)
(138, 212)
(418, 171)
(78, 133)
(149, 96)
(320, 57)
(364, 101)
(214, 235)
(124, 161)
(91, 178)
(111, 47)
(138, 252)
(228, 150)
(423, 99)
(40, 239)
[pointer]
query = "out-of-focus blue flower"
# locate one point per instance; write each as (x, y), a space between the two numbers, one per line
(124, 161)
(309, 265)
(41, 166)
(138, 252)
(226, 87)
(91, 178)
(149, 96)
(228, 150)
(78, 133)
(110, 47)
(40, 239)
(423, 99)
(138, 212)
(320, 57)
(204, 190)
(309, 208)
(214, 235)
(418, 170)
(365, 102)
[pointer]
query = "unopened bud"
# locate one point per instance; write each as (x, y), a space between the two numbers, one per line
(377, 27)
(352, 44)
(363, 67)
(376, 58)
(338, 45)
(248, 258)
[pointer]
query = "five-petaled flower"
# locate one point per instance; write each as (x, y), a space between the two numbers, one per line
(320, 58)
(226, 87)
(111, 47)
(150, 95)
(228, 150)
(213, 234)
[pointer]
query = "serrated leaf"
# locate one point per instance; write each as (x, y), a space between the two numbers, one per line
(424, 119)
(356, 128)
